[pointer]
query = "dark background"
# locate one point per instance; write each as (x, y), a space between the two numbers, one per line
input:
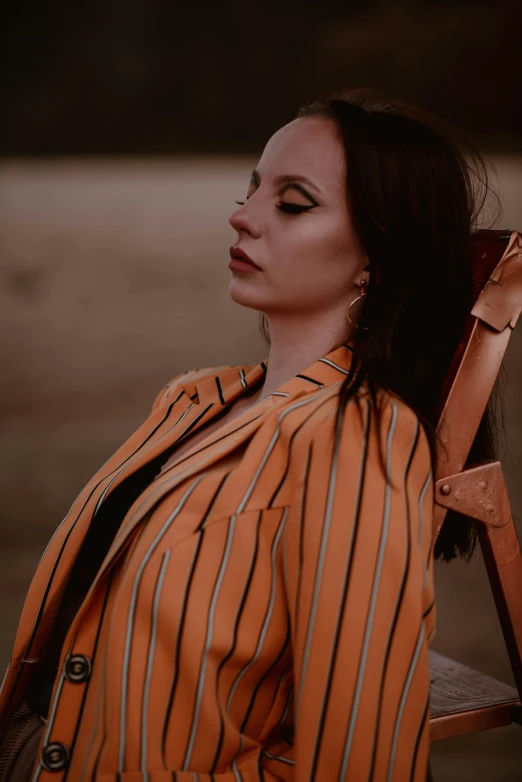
(126, 77)
(127, 130)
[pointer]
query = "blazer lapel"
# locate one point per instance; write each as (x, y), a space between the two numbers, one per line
(216, 448)
(186, 408)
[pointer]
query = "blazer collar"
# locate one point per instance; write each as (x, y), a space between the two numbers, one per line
(223, 385)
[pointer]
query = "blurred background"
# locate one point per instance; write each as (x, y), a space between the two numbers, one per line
(128, 129)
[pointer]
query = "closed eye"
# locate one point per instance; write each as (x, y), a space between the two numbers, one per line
(287, 207)
(293, 209)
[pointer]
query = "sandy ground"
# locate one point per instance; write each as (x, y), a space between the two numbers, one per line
(102, 267)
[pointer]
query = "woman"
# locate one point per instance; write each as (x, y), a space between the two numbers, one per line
(262, 607)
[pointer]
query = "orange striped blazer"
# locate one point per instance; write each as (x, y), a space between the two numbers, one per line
(265, 609)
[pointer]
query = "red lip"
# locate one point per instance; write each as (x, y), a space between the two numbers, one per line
(241, 255)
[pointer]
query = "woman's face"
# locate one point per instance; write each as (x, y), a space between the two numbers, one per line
(310, 260)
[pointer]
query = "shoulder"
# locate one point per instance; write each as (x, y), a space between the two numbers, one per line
(186, 379)
(320, 411)
(357, 431)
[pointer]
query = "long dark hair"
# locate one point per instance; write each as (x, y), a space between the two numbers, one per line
(415, 190)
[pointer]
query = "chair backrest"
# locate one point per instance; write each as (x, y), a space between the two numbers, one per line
(479, 491)
(488, 248)
(497, 303)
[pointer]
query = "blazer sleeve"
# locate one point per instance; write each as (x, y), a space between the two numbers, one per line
(359, 582)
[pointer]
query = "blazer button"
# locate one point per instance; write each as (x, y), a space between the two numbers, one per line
(55, 756)
(77, 668)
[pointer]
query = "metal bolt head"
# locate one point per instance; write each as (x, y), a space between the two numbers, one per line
(445, 488)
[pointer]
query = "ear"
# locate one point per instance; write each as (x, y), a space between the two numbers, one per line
(364, 272)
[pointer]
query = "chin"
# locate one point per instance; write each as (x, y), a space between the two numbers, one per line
(242, 293)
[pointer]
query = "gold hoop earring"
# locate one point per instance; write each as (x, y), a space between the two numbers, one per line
(360, 296)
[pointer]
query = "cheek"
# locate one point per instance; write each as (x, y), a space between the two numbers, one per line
(310, 235)
(313, 253)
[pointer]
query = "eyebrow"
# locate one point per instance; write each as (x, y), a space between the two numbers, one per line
(282, 178)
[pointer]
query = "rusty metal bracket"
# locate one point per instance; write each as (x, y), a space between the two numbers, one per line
(479, 491)
(500, 302)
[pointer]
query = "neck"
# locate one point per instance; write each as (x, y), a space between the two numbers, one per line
(291, 354)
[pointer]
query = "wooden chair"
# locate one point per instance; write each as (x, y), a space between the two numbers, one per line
(464, 700)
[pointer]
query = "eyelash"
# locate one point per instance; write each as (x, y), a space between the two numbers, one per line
(285, 207)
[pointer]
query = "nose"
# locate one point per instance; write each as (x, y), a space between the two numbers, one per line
(243, 220)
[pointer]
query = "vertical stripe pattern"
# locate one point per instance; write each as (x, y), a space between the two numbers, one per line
(265, 607)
